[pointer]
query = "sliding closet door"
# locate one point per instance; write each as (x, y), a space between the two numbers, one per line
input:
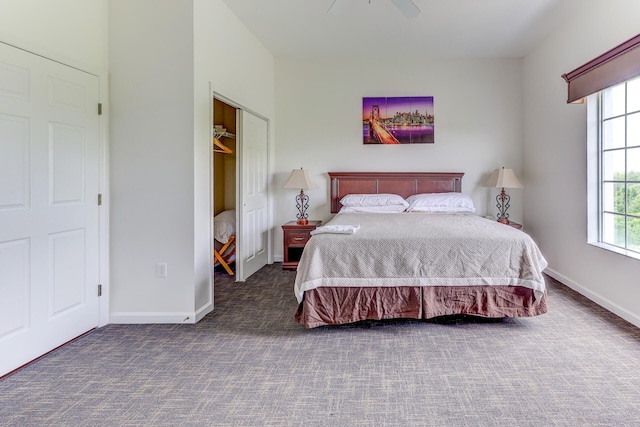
(252, 221)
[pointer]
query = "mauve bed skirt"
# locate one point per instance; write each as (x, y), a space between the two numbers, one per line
(339, 305)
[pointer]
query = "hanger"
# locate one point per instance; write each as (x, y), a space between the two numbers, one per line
(219, 147)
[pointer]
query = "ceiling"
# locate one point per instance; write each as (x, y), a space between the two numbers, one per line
(376, 28)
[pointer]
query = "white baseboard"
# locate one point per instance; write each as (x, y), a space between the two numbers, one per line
(150, 318)
(595, 297)
(203, 312)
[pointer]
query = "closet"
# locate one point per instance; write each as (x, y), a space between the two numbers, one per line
(224, 186)
(241, 206)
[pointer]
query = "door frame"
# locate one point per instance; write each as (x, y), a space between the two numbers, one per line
(217, 95)
(103, 211)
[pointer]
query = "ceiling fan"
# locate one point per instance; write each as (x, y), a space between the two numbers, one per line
(407, 7)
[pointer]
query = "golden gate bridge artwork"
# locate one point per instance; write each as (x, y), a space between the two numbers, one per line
(398, 120)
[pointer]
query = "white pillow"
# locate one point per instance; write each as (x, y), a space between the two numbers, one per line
(373, 209)
(373, 200)
(440, 202)
(224, 226)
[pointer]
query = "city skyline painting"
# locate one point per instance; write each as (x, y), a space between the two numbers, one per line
(398, 120)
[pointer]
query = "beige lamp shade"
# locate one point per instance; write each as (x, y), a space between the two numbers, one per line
(299, 178)
(503, 178)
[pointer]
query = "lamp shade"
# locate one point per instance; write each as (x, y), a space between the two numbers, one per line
(299, 178)
(503, 178)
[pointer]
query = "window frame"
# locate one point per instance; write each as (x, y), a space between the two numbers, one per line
(595, 173)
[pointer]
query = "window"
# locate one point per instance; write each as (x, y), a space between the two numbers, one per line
(611, 85)
(619, 167)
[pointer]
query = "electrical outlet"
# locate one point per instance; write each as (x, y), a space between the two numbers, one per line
(161, 269)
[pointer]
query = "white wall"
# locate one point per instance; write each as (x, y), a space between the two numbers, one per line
(478, 125)
(152, 134)
(73, 32)
(165, 56)
(230, 60)
(555, 157)
(230, 57)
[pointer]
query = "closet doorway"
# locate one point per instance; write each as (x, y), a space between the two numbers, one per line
(240, 189)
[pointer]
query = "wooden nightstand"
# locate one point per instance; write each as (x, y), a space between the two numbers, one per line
(295, 237)
(515, 225)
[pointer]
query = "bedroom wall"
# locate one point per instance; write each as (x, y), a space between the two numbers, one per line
(478, 125)
(166, 57)
(73, 32)
(152, 134)
(555, 167)
(230, 61)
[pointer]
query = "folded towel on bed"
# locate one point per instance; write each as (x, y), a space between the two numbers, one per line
(336, 229)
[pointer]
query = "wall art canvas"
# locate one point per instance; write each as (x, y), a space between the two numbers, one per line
(398, 120)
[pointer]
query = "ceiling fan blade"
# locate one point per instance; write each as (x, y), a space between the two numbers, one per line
(337, 7)
(407, 7)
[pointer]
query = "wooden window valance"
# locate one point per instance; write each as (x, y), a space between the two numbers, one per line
(612, 67)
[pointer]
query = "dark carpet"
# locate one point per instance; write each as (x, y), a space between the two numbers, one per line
(249, 364)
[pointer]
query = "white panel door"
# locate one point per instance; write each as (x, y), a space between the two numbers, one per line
(49, 170)
(252, 221)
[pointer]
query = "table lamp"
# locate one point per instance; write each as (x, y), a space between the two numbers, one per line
(299, 178)
(503, 178)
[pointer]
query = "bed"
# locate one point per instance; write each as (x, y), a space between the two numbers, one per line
(417, 265)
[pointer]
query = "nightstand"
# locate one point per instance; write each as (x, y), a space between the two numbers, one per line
(295, 237)
(515, 225)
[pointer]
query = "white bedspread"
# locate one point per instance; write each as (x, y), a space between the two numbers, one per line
(417, 249)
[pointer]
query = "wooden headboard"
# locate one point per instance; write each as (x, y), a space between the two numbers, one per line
(404, 184)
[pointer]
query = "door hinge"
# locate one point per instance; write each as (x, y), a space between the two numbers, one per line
(99, 108)
(99, 290)
(100, 199)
